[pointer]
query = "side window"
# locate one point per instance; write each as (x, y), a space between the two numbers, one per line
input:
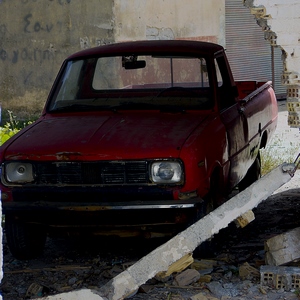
(225, 90)
(218, 73)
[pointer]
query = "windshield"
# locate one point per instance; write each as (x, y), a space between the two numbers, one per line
(133, 82)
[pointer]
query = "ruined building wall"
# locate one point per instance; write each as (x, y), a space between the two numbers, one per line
(280, 19)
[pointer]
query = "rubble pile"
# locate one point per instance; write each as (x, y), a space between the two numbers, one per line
(236, 268)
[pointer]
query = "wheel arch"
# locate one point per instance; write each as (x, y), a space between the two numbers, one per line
(263, 140)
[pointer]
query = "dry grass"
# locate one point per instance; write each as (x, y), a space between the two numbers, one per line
(278, 152)
(25, 108)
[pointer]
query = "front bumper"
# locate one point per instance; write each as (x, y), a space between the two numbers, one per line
(118, 218)
(101, 206)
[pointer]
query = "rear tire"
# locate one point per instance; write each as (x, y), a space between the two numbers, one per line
(253, 174)
(25, 241)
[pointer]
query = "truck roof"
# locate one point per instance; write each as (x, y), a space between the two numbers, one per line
(186, 47)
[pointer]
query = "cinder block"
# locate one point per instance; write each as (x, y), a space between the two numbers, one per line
(287, 278)
(293, 106)
(283, 248)
(290, 78)
(293, 120)
(293, 93)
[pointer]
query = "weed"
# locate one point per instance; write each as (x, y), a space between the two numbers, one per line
(276, 153)
(297, 293)
(11, 127)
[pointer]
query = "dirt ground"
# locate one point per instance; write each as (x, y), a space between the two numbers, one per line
(75, 263)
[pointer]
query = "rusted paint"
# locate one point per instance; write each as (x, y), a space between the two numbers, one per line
(66, 156)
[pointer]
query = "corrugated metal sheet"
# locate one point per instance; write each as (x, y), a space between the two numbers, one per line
(280, 89)
(249, 54)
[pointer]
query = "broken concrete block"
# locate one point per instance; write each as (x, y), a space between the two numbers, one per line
(77, 295)
(204, 264)
(248, 272)
(283, 248)
(205, 278)
(245, 219)
(287, 278)
(200, 296)
(176, 267)
(187, 277)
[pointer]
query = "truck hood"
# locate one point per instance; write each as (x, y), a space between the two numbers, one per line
(112, 136)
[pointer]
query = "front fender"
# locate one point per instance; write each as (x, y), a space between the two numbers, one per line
(204, 151)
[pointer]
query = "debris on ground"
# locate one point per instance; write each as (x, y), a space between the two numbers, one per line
(80, 263)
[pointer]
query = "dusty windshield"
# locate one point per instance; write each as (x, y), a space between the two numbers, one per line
(133, 82)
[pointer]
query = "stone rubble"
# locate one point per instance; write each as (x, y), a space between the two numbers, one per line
(205, 279)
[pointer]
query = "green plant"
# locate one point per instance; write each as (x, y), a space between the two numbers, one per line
(297, 293)
(11, 127)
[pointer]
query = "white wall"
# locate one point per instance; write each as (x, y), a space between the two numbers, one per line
(284, 19)
(170, 19)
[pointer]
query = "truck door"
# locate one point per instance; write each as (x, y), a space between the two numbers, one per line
(234, 121)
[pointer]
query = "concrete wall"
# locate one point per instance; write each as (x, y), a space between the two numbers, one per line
(36, 36)
(170, 19)
(280, 19)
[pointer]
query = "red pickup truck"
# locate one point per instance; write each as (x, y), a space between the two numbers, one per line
(135, 138)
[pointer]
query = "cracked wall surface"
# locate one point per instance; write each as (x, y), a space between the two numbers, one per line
(169, 19)
(280, 20)
(35, 37)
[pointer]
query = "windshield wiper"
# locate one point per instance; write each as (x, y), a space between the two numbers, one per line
(134, 106)
(75, 107)
(172, 109)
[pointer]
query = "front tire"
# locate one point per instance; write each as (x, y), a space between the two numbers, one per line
(25, 241)
(211, 201)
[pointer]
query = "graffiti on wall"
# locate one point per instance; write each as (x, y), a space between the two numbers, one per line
(61, 2)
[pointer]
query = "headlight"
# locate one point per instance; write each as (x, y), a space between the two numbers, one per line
(18, 172)
(166, 172)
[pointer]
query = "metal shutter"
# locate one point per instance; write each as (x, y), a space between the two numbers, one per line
(249, 54)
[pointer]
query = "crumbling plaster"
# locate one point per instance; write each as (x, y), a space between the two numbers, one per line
(280, 20)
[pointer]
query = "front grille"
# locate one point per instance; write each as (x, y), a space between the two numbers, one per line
(103, 173)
